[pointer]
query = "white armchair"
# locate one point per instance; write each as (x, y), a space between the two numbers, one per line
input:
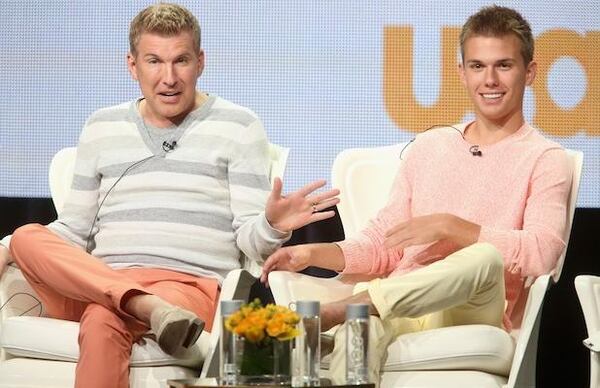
(588, 291)
(461, 356)
(36, 351)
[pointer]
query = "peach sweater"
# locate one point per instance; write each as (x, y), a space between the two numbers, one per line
(517, 191)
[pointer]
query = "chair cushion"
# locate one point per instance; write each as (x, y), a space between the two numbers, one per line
(468, 347)
(54, 339)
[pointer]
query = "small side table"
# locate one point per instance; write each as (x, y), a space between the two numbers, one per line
(212, 383)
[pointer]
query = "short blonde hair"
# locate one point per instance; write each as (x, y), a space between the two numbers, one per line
(163, 19)
(496, 21)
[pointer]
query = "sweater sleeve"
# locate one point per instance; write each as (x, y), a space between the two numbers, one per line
(534, 250)
(249, 189)
(364, 252)
(75, 221)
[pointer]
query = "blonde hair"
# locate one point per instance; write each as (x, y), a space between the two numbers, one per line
(163, 19)
(497, 21)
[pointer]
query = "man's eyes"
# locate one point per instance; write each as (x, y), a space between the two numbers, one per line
(153, 61)
(479, 66)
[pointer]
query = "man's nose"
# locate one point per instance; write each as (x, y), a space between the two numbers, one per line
(491, 77)
(169, 75)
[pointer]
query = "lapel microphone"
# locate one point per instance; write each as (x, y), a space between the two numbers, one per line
(474, 150)
(168, 147)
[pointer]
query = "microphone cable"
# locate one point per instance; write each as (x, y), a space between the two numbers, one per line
(36, 304)
(131, 167)
(462, 135)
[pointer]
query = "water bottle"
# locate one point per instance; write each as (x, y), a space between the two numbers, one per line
(307, 345)
(357, 344)
(230, 346)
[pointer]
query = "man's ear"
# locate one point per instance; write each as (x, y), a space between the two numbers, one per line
(131, 66)
(200, 62)
(530, 73)
(461, 74)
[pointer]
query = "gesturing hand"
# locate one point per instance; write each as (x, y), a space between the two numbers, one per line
(302, 207)
(294, 258)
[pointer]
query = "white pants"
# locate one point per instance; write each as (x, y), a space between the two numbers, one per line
(467, 287)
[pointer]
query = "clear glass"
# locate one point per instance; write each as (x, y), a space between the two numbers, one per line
(357, 346)
(231, 351)
(307, 353)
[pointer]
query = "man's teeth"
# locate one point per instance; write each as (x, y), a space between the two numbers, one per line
(492, 95)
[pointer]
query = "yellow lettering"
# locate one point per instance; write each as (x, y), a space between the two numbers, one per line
(551, 46)
(453, 102)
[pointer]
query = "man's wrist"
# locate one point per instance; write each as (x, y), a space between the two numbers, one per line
(273, 230)
(461, 231)
(327, 255)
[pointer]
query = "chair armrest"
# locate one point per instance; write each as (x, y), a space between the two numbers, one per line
(593, 342)
(588, 293)
(587, 280)
(288, 287)
(236, 285)
(522, 371)
(16, 296)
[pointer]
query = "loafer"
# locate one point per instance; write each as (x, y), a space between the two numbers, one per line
(176, 329)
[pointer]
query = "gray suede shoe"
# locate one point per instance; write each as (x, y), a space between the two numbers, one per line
(176, 329)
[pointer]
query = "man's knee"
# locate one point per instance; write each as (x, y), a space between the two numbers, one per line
(489, 256)
(22, 238)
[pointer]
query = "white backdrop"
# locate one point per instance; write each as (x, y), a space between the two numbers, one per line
(314, 71)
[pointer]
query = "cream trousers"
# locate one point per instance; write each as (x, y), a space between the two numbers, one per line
(467, 287)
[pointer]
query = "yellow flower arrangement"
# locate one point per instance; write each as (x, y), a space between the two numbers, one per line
(258, 324)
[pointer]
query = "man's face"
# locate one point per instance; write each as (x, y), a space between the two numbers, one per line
(495, 75)
(167, 69)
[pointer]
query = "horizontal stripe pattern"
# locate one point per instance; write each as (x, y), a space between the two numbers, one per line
(167, 165)
(197, 209)
(209, 220)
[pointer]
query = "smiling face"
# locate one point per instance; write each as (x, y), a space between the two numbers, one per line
(167, 68)
(495, 75)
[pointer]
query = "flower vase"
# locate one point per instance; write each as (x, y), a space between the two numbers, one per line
(266, 362)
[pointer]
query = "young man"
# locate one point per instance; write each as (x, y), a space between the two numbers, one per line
(170, 192)
(475, 208)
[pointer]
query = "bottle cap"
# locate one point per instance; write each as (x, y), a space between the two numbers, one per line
(354, 311)
(308, 308)
(230, 306)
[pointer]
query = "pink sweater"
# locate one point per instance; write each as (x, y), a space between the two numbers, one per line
(517, 191)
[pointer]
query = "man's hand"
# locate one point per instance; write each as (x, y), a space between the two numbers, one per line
(293, 211)
(4, 259)
(431, 228)
(297, 257)
(294, 258)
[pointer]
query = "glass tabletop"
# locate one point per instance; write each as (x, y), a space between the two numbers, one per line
(213, 382)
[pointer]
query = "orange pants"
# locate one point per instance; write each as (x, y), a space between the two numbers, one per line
(76, 286)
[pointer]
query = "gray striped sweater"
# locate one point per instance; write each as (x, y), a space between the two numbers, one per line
(197, 209)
